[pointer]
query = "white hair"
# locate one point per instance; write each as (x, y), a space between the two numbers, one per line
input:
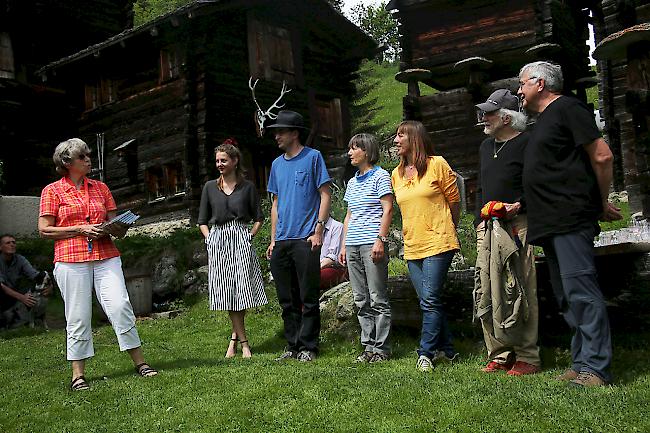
(518, 120)
(549, 72)
(66, 152)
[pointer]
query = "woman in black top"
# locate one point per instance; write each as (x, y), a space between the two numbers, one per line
(235, 282)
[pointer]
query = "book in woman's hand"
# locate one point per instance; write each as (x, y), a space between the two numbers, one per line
(118, 226)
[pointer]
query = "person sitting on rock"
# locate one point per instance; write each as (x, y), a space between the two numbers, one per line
(332, 272)
(14, 301)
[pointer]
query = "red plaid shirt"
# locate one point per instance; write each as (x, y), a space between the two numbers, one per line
(62, 200)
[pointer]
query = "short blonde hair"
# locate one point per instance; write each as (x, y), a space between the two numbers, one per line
(66, 152)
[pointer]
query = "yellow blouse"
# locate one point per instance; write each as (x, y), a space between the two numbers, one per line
(424, 203)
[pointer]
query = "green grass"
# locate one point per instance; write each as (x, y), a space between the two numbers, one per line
(199, 391)
(615, 225)
(389, 94)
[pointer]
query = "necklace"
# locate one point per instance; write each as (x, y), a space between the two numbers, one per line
(496, 151)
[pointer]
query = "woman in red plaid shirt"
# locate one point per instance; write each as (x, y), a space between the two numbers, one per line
(71, 211)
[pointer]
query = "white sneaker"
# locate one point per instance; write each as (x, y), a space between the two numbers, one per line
(424, 364)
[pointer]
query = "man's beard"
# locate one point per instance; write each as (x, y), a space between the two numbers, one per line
(493, 128)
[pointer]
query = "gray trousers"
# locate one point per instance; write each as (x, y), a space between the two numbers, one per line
(369, 285)
(572, 270)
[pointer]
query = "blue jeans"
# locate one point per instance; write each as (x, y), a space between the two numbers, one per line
(428, 275)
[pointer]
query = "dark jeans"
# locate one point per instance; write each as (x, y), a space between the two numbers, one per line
(428, 276)
(572, 270)
(296, 272)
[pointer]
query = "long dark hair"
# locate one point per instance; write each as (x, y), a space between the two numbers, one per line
(420, 143)
(233, 153)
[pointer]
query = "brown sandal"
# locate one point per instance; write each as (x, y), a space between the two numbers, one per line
(145, 370)
(79, 384)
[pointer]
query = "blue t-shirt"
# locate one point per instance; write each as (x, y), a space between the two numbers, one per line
(362, 195)
(295, 182)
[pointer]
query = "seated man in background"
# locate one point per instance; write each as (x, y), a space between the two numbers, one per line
(15, 302)
(332, 272)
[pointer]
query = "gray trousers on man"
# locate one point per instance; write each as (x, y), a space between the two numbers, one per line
(369, 285)
(572, 270)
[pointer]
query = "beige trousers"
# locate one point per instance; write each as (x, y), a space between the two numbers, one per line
(520, 342)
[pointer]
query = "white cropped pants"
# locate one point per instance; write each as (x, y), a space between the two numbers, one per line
(76, 281)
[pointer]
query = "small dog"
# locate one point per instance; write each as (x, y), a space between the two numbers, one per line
(37, 312)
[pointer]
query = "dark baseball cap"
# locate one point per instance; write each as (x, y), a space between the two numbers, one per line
(501, 98)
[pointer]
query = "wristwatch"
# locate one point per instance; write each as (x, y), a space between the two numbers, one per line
(384, 239)
(321, 222)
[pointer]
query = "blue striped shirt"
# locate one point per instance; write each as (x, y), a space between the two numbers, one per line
(362, 195)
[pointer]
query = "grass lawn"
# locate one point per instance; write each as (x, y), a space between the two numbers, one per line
(199, 391)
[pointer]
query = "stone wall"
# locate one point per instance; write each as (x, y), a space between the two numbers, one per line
(19, 215)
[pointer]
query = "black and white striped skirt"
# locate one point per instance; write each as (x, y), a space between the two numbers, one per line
(234, 276)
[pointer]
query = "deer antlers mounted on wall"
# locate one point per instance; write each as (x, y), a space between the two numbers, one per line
(260, 115)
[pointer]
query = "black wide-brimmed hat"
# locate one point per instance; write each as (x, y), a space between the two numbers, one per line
(288, 119)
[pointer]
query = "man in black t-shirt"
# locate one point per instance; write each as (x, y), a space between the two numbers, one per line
(567, 174)
(511, 346)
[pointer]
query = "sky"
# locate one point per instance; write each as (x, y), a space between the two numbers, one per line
(349, 4)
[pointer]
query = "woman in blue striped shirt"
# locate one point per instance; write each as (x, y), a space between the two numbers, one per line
(370, 209)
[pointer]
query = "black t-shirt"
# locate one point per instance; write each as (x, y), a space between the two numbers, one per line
(217, 207)
(560, 186)
(500, 177)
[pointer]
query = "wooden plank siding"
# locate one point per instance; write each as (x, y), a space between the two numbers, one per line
(627, 141)
(179, 89)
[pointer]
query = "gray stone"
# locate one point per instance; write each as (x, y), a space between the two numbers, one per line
(196, 281)
(163, 278)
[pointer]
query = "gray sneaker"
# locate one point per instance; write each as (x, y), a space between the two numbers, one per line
(424, 364)
(289, 354)
(306, 356)
(365, 356)
(441, 357)
(379, 357)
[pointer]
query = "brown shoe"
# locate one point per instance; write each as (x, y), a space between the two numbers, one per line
(521, 368)
(587, 379)
(569, 374)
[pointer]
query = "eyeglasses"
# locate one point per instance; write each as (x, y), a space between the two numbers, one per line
(84, 156)
(523, 83)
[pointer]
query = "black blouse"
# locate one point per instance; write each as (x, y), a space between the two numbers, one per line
(217, 207)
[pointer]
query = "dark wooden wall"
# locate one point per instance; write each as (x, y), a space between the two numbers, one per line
(34, 117)
(630, 153)
(185, 117)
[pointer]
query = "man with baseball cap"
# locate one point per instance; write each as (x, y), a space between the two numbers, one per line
(300, 186)
(510, 339)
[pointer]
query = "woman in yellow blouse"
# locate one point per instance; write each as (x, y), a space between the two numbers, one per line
(427, 195)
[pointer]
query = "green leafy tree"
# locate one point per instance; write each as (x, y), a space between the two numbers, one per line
(147, 10)
(378, 23)
(337, 4)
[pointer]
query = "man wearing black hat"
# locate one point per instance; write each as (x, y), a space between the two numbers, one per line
(511, 339)
(567, 175)
(301, 192)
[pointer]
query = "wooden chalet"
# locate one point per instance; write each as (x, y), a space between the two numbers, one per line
(468, 49)
(32, 34)
(156, 100)
(622, 34)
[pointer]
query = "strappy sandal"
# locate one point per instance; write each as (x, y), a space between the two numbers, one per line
(79, 384)
(145, 370)
(242, 343)
(236, 340)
